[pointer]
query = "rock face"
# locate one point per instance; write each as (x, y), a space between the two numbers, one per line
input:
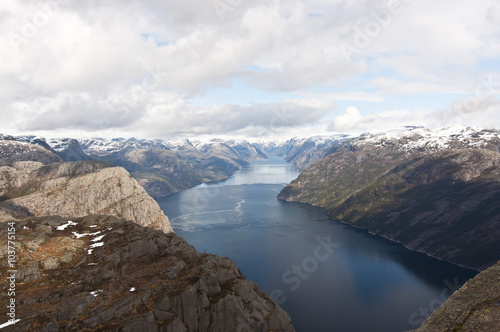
(439, 197)
(101, 273)
(474, 307)
(76, 189)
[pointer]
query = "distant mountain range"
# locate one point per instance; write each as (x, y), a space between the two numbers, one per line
(166, 166)
(161, 167)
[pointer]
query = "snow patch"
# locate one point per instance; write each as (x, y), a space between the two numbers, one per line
(99, 238)
(63, 227)
(78, 235)
(9, 322)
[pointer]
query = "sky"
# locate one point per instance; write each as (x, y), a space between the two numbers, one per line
(251, 69)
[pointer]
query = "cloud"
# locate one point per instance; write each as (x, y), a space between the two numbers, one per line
(176, 117)
(482, 112)
(351, 95)
(472, 111)
(163, 115)
(137, 66)
(352, 121)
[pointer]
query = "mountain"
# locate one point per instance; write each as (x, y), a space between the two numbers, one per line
(68, 149)
(12, 151)
(474, 307)
(160, 166)
(85, 259)
(75, 189)
(302, 152)
(163, 167)
(101, 273)
(433, 191)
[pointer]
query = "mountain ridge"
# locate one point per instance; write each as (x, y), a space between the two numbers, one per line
(406, 188)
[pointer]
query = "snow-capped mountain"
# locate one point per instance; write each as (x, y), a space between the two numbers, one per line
(422, 139)
(165, 166)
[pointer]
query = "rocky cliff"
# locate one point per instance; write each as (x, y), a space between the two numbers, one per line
(101, 273)
(438, 196)
(474, 307)
(76, 189)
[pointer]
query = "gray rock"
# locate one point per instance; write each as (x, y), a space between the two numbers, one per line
(29, 273)
(144, 324)
(176, 326)
(51, 263)
(74, 309)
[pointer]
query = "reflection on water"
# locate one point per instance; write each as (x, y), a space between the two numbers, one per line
(364, 283)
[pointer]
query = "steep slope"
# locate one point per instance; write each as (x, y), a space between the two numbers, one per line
(12, 151)
(436, 193)
(68, 149)
(101, 273)
(302, 152)
(76, 189)
(474, 307)
(163, 167)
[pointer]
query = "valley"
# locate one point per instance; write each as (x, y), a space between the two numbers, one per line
(433, 191)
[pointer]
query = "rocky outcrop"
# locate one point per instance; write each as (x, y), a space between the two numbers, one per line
(76, 189)
(443, 202)
(101, 273)
(474, 307)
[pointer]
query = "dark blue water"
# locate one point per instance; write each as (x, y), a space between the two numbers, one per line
(328, 276)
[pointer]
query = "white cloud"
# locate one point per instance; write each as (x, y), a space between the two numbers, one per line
(352, 121)
(482, 112)
(176, 117)
(351, 95)
(135, 66)
(473, 111)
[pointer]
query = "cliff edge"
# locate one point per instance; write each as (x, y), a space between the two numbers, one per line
(474, 307)
(76, 189)
(101, 273)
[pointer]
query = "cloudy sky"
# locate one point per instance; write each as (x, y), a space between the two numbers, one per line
(250, 68)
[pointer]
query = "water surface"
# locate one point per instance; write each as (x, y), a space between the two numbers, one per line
(328, 276)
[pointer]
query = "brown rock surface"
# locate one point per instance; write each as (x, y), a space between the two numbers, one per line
(101, 273)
